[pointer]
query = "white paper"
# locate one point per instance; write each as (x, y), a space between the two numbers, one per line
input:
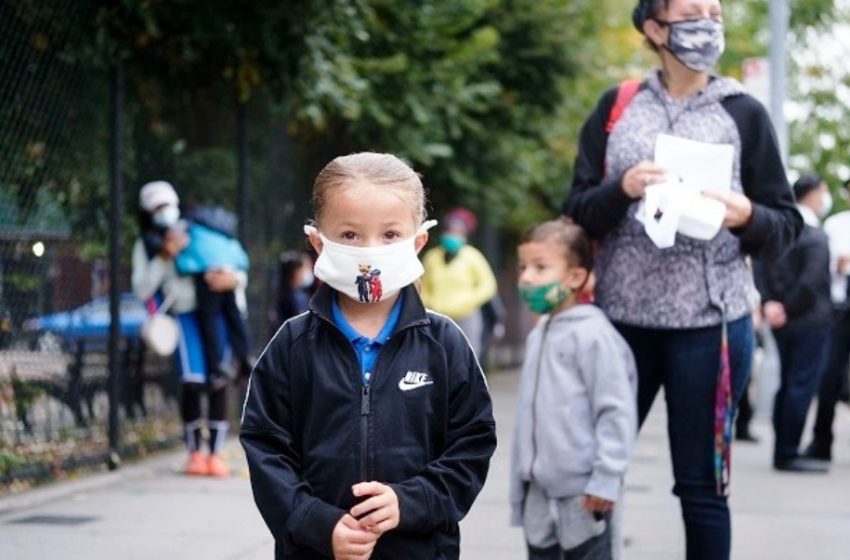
(678, 204)
(698, 165)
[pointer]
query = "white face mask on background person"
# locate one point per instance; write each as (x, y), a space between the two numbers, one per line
(166, 217)
(307, 279)
(369, 274)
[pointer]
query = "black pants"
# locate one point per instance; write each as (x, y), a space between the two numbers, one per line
(833, 379)
(210, 305)
(686, 363)
(190, 412)
(802, 351)
(745, 414)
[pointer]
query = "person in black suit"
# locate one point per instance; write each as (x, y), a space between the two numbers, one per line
(795, 289)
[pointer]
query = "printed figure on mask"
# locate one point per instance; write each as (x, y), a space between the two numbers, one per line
(376, 289)
(363, 282)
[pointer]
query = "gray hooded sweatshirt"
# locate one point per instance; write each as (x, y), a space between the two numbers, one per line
(576, 418)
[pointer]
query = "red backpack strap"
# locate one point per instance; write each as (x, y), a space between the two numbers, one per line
(626, 92)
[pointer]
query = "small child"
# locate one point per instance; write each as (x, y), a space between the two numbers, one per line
(576, 416)
(368, 425)
(213, 246)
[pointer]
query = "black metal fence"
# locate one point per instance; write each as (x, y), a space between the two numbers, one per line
(77, 140)
(80, 132)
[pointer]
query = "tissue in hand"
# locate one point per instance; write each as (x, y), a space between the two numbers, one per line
(673, 207)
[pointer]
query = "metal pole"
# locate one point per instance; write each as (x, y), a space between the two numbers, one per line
(116, 195)
(241, 170)
(779, 20)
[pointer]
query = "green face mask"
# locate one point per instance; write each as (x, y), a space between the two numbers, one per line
(452, 243)
(543, 298)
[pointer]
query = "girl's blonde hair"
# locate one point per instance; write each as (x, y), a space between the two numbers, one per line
(384, 171)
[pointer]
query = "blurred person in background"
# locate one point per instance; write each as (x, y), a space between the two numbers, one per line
(295, 279)
(155, 277)
(795, 289)
(493, 314)
(745, 406)
(834, 377)
(213, 247)
(458, 280)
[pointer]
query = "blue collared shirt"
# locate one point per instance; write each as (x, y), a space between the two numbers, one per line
(367, 349)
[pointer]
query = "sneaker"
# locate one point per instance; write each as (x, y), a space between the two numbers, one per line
(197, 465)
(817, 451)
(217, 467)
(801, 465)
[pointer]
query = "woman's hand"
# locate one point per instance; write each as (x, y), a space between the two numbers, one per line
(221, 280)
(637, 178)
(774, 314)
(739, 208)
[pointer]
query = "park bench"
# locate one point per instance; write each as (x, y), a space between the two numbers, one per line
(76, 377)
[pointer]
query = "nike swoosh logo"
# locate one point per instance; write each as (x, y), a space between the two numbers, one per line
(405, 386)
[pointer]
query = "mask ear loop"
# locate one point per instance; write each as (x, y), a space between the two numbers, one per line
(309, 230)
(428, 224)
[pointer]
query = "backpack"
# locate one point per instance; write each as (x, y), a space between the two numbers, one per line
(625, 93)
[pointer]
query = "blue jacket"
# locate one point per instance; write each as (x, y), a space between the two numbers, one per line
(209, 249)
(311, 430)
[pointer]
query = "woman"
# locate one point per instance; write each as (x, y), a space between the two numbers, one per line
(155, 277)
(458, 280)
(676, 306)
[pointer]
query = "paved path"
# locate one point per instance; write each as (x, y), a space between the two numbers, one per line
(149, 510)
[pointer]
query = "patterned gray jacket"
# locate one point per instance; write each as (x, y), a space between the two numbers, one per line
(687, 285)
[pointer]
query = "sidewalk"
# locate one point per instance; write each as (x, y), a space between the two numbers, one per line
(150, 510)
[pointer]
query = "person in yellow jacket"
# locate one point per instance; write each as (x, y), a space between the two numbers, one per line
(458, 280)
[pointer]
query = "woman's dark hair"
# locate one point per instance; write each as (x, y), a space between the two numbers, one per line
(571, 237)
(152, 235)
(647, 9)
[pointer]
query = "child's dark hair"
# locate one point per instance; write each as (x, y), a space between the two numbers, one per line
(570, 236)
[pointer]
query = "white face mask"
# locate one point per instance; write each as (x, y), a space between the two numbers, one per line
(369, 274)
(307, 280)
(166, 216)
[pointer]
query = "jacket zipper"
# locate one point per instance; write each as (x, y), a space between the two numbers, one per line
(366, 393)
(534, 399)
(364, 431)
(366, 411)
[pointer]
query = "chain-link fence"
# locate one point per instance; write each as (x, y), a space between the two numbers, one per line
(178, 122)
(55, 131)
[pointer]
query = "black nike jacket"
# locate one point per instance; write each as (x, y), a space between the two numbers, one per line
(311, 430)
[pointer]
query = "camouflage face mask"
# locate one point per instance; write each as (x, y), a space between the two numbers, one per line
(697, 44)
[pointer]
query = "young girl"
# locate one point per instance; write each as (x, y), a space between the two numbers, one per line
(368, 425)
(576, 416)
